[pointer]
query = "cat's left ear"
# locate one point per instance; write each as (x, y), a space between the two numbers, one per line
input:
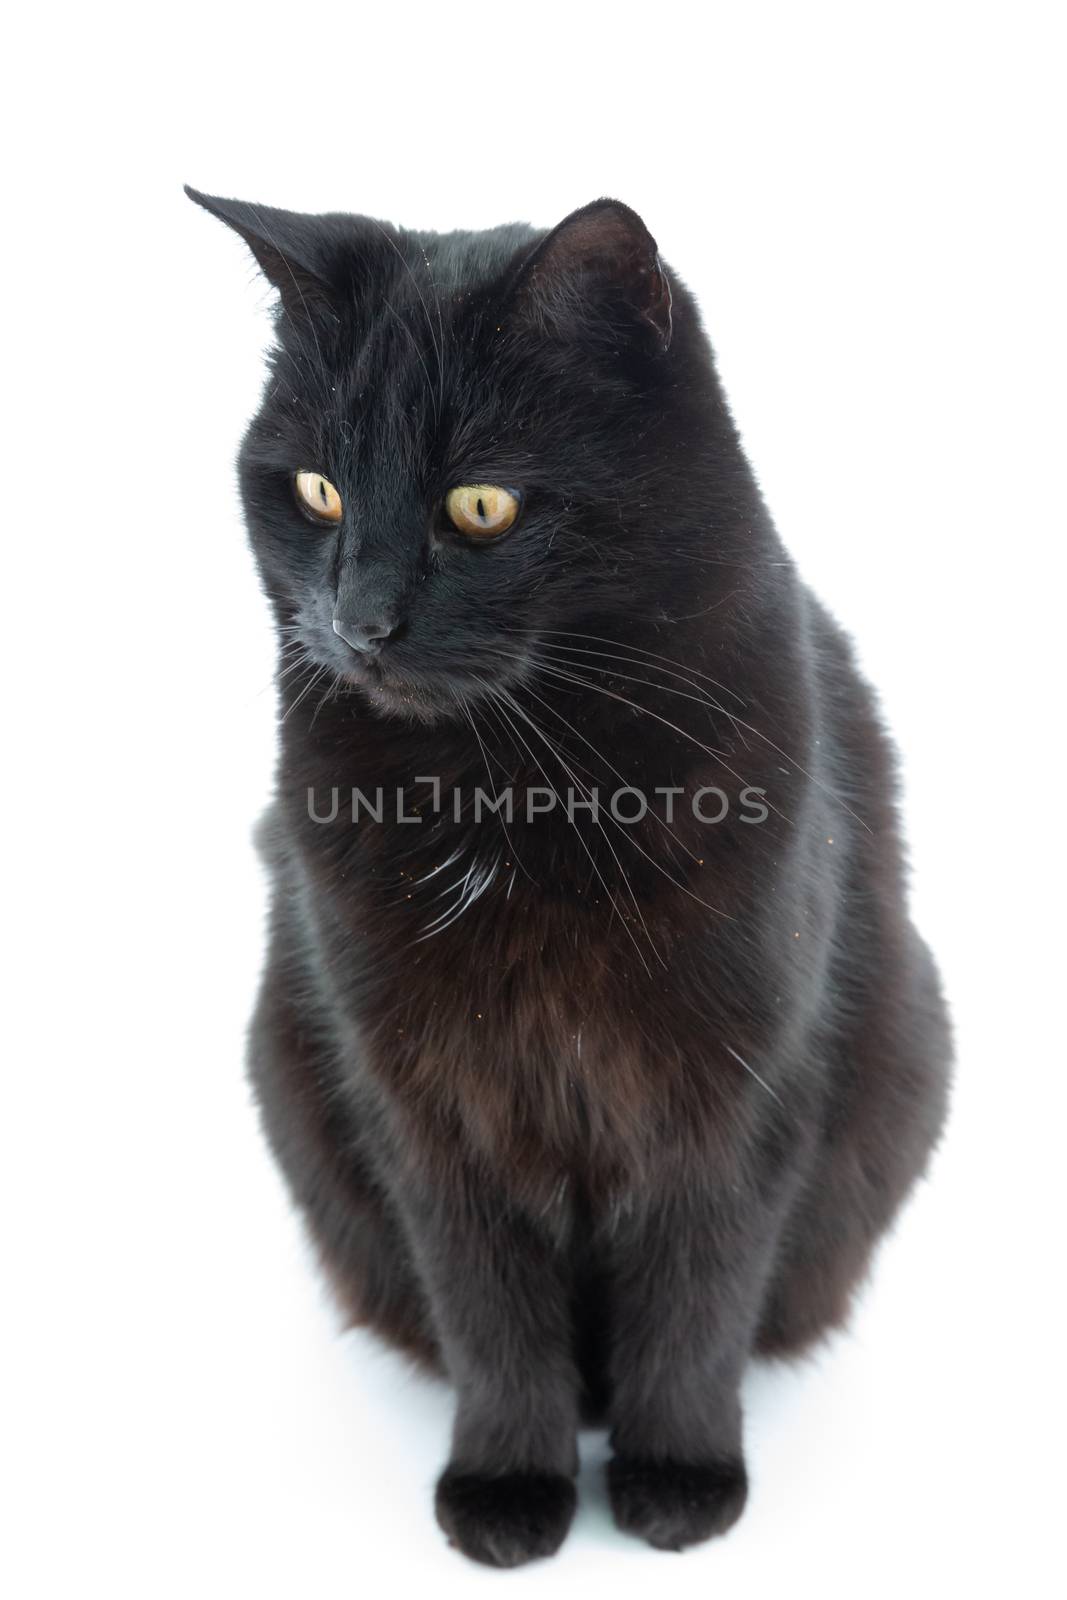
(294, 251)
(601, 257)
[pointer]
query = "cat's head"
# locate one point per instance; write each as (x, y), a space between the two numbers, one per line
(469, 442)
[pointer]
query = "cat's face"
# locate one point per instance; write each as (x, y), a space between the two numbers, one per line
(468, 442)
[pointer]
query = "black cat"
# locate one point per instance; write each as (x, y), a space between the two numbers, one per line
(587, 1097)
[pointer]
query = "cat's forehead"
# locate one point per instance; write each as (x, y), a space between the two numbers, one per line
(419, 364)
(467, 260)
(412, 347)
(414, 295)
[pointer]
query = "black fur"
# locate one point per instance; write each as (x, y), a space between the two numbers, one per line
(582, 1113)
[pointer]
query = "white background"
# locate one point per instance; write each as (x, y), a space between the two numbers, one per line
(867, 200)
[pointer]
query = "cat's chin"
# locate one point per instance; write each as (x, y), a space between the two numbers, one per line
(410, 703)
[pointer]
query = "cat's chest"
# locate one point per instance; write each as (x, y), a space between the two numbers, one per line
(535, 1033)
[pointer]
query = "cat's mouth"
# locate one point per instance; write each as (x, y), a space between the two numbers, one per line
(416, 704)
(430, 692)
(390, 694)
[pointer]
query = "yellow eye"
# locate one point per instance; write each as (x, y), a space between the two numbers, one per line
(481, 510)
(317, 497)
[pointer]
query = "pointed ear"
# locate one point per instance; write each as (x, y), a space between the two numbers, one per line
(293, 250)
(602, 257)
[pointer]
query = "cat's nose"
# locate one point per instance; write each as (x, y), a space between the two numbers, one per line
(366, 636)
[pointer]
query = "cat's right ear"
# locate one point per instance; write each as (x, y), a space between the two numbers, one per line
(292, 249)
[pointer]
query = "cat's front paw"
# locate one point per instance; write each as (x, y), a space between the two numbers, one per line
(506, 1520)
(673, 1504)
